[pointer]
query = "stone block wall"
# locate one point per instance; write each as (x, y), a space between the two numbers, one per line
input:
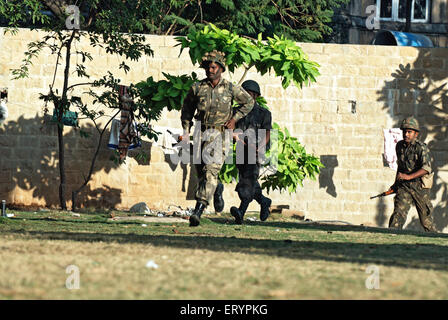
(362, 90)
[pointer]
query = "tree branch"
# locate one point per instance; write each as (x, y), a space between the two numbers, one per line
(80, 84)
(244, 74)
(174, 22)
(57, 7)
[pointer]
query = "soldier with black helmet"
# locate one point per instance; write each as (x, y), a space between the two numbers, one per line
(259, 121)
(414, 178)
(210, 101)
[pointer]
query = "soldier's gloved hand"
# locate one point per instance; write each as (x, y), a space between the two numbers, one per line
(230, 124)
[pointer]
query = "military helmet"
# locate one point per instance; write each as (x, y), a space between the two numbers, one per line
(410, 123)
(214, 56)
(251, 85)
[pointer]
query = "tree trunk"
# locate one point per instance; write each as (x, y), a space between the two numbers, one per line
(92, 166)
(87, 179)
(61, 163)
(60, 112)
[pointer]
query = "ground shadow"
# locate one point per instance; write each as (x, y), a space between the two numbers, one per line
(320, 226)
(418, 256)
(29, 148)
(420, 89)
(326, 174)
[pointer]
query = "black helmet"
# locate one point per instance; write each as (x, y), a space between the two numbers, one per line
(251, 85)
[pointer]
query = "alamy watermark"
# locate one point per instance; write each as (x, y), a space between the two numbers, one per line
(72, 22)
(373, 281)
(372, 21)
(73, 280)
(215, 146)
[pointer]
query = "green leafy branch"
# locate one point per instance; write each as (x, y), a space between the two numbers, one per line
(278, 54)
(154, 96)
(294, 164)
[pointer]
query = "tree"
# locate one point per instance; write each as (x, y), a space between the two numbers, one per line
(299, 20)
(103, 24)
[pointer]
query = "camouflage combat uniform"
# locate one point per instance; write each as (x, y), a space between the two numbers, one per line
(411, 158)
(248, 187)
(213, 108)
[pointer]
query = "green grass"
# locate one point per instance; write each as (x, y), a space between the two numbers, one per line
(276, 259)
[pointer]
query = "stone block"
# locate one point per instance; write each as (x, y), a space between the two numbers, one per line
(411, 52)
(357, 175)
(355, 197)
(8, 141)
(432, 63)
(141, 208)
(350, 185)
(383, 72)
(315, 48)
(344, 82)
(5, 152)
(387, 51)
(350, 206)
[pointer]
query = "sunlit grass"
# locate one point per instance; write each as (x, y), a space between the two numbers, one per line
(276, 259)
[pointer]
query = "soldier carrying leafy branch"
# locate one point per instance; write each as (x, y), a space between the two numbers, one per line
(210, 101)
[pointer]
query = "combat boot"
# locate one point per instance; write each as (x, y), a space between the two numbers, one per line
(265, 204)
(196, 216)
(238, 213)
(218, 201)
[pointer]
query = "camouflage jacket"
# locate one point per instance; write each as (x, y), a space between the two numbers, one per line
(413, 157)
(213, 106)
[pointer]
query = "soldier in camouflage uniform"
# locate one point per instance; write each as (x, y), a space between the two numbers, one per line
(414, 178)
(209, 101)
(248, 187)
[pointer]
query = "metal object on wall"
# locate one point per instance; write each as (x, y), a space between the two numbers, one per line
(397, 38)
(4, 94)
(3, 106)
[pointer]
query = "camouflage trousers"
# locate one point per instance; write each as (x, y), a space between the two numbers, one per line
(212, 153)
(408, 193)
(248, 187)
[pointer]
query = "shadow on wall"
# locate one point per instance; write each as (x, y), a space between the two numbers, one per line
(326, 174)
(421, 90)
(189, 177)
(381, 218)
(29, 149)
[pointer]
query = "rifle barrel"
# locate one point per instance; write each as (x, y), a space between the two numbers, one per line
(378, 195)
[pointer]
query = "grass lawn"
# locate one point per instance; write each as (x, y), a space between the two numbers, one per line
(277, 259)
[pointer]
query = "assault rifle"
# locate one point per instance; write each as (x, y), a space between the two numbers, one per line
(386, 193)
